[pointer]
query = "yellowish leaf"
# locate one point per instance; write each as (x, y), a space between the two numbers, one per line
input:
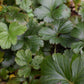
(12, 76)
(1, 8)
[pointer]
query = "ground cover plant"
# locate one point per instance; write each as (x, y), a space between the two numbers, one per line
(41, 42)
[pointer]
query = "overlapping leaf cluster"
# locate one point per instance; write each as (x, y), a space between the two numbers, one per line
(41, 42)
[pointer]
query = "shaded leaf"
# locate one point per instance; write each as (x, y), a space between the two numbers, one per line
(34, 42)
(1, 56)
(15, 16)
(3, 73)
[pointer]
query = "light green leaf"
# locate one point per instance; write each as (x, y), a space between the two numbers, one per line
(17, 29)
(23, 57)
(25, 4)
(36, 62)
(9, 36)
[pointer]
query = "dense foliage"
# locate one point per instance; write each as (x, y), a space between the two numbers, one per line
(41, 42)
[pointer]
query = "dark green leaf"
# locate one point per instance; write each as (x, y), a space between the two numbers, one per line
(34, 42)
(63, 68)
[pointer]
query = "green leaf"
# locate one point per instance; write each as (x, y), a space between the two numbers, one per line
(33, 28)
(4, 73)
(1, 56)
(36, 62)
(63, 26)
(66, 40)
(62, 12)
(63, 68)
(50, 10)
(34, 42)
(81, 11)
(24, 71)
(47, 33)
(8, 60)
(41, 12)
(60, 27)
(78, 31)
(18, 46)
(51, 3)
(17, 28)
(25, 82)
(75, 19)
(77, 1)
(78, 70)
(36, 81)
(18, 2)
(9, 36)
(13, 81)
(56, 69)
(25, 4)
(77, 46)
(23, 57)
